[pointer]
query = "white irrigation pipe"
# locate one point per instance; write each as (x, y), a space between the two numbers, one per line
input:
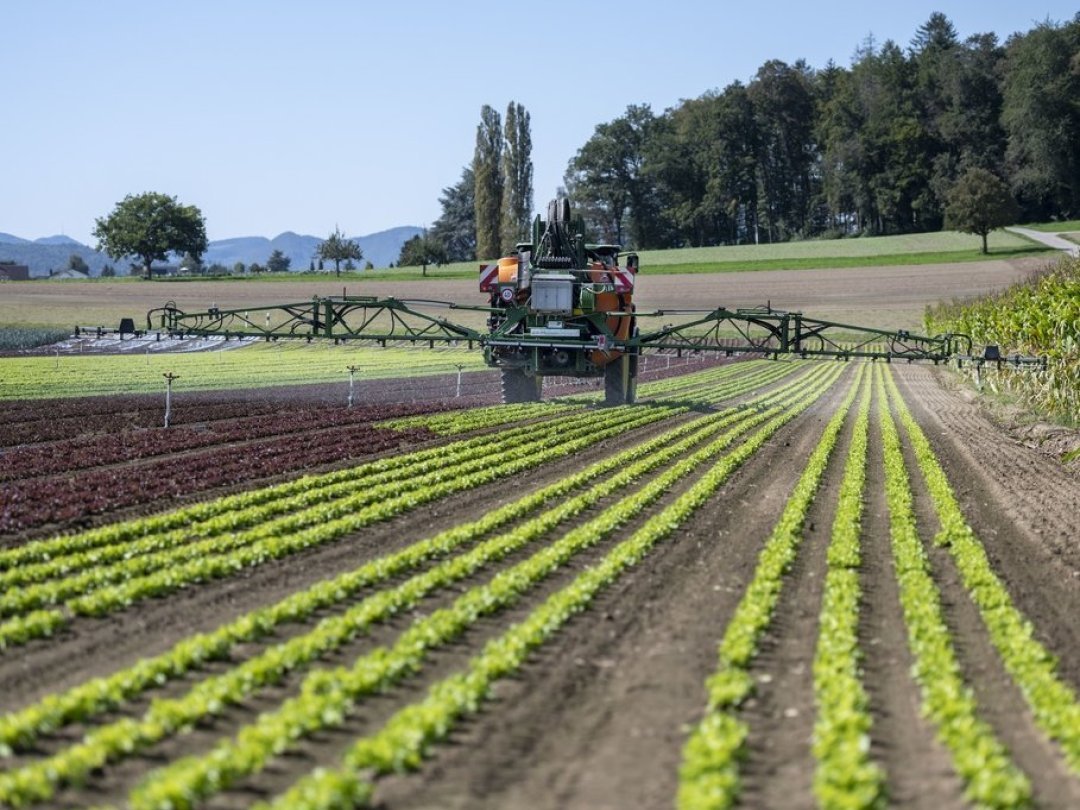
(169, 377)
(352, 371)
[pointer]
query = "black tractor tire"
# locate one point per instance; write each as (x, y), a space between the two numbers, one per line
(620, 384)
(517, 386)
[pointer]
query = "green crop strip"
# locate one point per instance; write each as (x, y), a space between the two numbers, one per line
(757, 372)
(457, 422)
(692, 384)
(845, 778)
(708, 776)
(83, 702)
(404, 739)
(1053, 703)
(251, 366)
(990, 778)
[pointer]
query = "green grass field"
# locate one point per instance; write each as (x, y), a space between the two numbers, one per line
(1063, 227)
(255, 366)
(942, 247)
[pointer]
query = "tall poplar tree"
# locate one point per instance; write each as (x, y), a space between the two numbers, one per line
(517, 175)
(487, 174)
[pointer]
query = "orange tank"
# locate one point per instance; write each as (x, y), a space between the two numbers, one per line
(610, 302)
(508, 269)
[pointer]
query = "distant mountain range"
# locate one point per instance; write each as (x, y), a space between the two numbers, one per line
(53, 252)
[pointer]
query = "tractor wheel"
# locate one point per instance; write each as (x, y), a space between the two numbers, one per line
(517, 386)
(620, 386)
(635, 359)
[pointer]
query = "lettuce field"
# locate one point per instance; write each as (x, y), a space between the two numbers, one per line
(768, 584)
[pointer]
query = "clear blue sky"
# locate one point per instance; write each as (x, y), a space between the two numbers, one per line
(274, 116)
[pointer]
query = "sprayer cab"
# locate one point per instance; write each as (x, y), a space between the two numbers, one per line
(560, 307)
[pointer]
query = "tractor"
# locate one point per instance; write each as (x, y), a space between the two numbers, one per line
(561, 307)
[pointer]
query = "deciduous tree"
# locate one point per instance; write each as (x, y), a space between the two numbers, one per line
(1042, 118)
(337, 249)
(150, 226)
(608, 176)
(980, 202)
(420, 251)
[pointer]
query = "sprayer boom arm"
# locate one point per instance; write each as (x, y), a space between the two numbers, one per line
(763, 330)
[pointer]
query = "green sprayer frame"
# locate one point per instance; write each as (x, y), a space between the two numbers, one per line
(761, 330)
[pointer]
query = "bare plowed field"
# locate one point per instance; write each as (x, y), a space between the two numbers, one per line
(887, 297)
(773, 583)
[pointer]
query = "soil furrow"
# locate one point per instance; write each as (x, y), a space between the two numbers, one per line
(918, 770)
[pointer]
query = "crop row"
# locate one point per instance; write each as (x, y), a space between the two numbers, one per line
(41, 559)
(31, 423)
(329, 694)
(465, 421)
(89, 451)
(845, 776)
(380, 667)
(404, 739)
(63, 498)
(687, 384)
(979, 758)
(274, 520)
(1040, 317)
(1053, 703)
(666, 387)
(83, 702)
(251, 366)
(709, 776)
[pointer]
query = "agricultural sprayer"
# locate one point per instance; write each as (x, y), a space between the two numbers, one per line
(560, 307)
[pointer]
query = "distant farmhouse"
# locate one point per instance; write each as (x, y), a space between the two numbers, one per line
(9, 271)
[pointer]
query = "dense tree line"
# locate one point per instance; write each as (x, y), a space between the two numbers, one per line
(876, 148)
